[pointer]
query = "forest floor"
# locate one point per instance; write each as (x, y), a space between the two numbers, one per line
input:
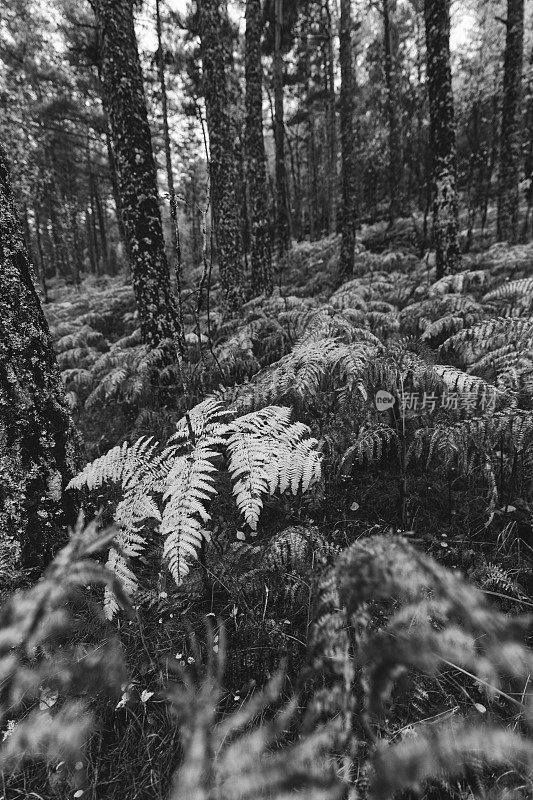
(454, 354)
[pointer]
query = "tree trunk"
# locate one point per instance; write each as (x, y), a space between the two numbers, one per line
(442, 133)
(261, 261)
(331, 121)
(282, 201)
(311, 159)
(101, 227)
(125, 103)
(395, 155)
(224, 169)
(511, 140)
(166, 138)
(77, 265)
(116, 199)
(40, 253)
(347, 142)
(37, 438)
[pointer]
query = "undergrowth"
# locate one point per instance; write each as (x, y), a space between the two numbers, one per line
(339, 480)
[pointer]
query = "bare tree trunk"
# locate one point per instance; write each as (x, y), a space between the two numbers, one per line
(76, 254)
(395, 155)
(331, 121)
(347, 256)
(511, 139)
(442, 129)
(261, 260)
(101, 227)
(40, 252)
(282, 204)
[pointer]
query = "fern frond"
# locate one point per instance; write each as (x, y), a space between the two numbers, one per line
(445, 752)
(472, 343)
(369, 446)
(124, 463)
(511, 290)
(188, 485)
(266, 452)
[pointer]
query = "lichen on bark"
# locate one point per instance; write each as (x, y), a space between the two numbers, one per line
(225, 179)
(38, 443)
(124, 99)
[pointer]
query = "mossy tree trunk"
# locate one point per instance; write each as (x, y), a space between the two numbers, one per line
(346, 116)
(442, 137)
(124, 100)
(225, 178)
(511, 139)
(261, 261)
(38, 444)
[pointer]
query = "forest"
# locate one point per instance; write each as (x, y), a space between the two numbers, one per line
(266, 399)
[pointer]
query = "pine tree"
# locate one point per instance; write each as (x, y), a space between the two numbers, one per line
(511, 140)
(223, 146)
(389, 6)
(282, 200)
(442, 136)
(124, 100)
(347, 140)
(38, 445)
(261, 261)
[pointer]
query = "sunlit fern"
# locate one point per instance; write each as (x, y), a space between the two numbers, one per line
(265, 453)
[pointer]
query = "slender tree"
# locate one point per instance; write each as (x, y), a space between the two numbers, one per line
(331, 128)
(389, 7)
(223, 146)
(347, 141)
(511, 139)
(442, 136)
(124, 100)
(261, 261)
(166, 133)
(282, 200)
(38, 445)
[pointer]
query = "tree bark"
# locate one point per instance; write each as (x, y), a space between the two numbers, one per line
(282, 200)
(261, 260)
(395, 155)
(38, 445)
(223, 144)
(511, 139)
(331, 120)
(166, 134)
(442, 137)
(124, 100)
(348, 215)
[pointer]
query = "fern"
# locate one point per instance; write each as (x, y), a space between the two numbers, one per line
(521, 289)
(233, 757)
(173, 486)
(369, 446)
(267, 452)
(472, 343)
(40, 641)
(189, 484)
(445, 751)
